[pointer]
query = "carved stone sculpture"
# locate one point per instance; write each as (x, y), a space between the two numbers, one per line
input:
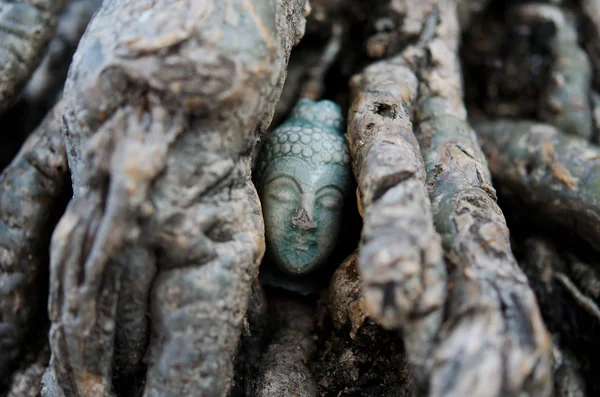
(303, 178)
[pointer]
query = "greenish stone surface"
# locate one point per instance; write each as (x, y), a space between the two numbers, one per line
(303, 178)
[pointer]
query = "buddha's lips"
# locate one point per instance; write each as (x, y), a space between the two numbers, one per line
(304, 243)
(302, 247)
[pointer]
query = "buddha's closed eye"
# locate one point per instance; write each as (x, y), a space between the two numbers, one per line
(284, 195)
(330, 197)
(283, 188)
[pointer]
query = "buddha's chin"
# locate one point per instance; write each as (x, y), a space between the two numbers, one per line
(298, 262)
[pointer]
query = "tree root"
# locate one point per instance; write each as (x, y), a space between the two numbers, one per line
(33, 192)
(159, 147)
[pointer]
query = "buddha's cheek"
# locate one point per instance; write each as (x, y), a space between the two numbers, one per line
(328, 231)
(278, 227)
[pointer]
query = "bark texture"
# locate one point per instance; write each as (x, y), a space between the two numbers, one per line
(568, 290)
(400, 254)
(358, 357)
(255, 336)
(493, 323)
(25, 29)
(33, 192)
(48, 79)
(591, 12)
(28, 382)
(163, 105)
(565, 101)
(555, 174)
(346, 299)
(283, 369)
(568, 381)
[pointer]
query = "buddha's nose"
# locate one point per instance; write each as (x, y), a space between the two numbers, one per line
(304, 221)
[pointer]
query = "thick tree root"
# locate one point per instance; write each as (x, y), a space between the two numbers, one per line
(493, 321)
(358, 358)
(283, 368)
(565, 102)
(25, 29)
(48, 79)
(33, 192)
(400, 254)
(346, 299)
(28, 382)
(161, 112)
(555, 174)
(568, 290)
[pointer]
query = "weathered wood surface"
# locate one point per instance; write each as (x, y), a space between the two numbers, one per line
(492, 320)
(358, 357)
(152, 265)
(400, 254)
(28, 381)
(46, 83)
(553, 173)
(25, 29)
(33, 192)
(163, 105)
(283, 369)
(565, 101)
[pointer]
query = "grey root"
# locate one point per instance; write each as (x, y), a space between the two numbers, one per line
(180, 231)
(419, 90)
(565, 102)
(25, 29)
(132, 206)
(490, 295)
(283, 368)
(552, 172)
(32, 196)
(400, 254)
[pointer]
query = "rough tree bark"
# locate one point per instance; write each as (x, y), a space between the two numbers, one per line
(591, 12)
(400, 254)
(163, 105)
(568, 290)
(565, 101)
(33, 192)
(283, 369)
(555, 174)
(153, 263)
(493, 322)
(28, 381)
(46, 83)
(358, 358)
(25, 29)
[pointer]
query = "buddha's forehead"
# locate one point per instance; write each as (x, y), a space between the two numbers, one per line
(313, 133)
(310, 176)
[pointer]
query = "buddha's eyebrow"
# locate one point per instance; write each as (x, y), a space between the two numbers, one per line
(330, 187)
(285, 177)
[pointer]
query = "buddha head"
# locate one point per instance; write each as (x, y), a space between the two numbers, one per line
(303, 178)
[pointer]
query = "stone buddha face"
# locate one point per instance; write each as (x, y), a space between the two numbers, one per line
(304, 179)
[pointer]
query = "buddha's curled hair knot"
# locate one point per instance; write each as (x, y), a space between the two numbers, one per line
(313, 132)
